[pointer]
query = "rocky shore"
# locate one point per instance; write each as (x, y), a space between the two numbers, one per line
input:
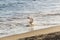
(50, 36)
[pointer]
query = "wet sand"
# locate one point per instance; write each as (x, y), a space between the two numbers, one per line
(33, 33)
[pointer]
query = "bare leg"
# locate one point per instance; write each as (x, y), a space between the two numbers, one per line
(31, 29)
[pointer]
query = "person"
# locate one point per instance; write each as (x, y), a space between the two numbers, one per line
(30, 21)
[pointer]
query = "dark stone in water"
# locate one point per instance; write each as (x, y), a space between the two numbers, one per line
(27, 25)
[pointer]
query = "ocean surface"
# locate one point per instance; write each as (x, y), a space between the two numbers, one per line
(14, 13)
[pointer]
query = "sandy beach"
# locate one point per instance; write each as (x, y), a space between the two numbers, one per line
(33, 33)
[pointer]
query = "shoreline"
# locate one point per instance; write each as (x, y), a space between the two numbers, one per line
(33, 33)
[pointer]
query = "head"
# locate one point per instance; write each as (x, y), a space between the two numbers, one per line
(28, 17)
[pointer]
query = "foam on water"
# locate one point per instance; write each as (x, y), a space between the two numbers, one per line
(17, 24)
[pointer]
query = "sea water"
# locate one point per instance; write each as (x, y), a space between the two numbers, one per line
(14, 13)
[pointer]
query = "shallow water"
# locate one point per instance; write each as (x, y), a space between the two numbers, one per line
(17, 24)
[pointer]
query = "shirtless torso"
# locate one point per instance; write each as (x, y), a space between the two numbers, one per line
(30, 20)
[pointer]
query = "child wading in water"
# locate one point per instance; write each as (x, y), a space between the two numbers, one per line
(30, 22)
